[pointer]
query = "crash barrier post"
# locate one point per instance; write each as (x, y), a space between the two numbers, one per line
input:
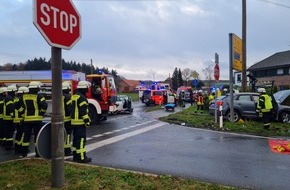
(220, 113)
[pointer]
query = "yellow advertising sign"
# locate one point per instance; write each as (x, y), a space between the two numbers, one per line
(237, 53)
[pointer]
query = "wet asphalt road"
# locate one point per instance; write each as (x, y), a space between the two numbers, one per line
(141, 143)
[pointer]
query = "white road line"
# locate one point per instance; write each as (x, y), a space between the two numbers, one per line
(99, 144)
(96, 136)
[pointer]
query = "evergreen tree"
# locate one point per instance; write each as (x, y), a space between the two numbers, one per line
(175, 79)
(179, 78)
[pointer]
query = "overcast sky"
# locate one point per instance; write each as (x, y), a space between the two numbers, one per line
(147, 39)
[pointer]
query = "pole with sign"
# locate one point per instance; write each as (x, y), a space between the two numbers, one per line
(60, 24)
(235, 61)
(216, 77)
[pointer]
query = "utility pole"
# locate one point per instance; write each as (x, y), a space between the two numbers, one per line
(244, 45)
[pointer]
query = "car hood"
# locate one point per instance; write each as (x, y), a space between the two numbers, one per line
(281, 95)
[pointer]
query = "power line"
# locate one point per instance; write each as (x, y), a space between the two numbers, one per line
(274, 3)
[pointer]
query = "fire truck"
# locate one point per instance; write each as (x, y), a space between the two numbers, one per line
(102, 94)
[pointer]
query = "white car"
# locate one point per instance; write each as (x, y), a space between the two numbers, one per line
(124, 104)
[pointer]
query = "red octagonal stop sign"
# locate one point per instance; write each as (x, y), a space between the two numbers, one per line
(58, 21)
(216, 72)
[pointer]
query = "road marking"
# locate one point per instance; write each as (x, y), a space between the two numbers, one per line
(99, 144)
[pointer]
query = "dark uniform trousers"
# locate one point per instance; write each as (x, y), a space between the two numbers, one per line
(28, 128)
(79, 142)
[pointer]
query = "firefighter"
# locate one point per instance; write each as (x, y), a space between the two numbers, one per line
(18, 119)
(8, 114)
(80, 120)
(33, 108)
(265, 107)
(67, 116)
(199, 102)
(2, 98)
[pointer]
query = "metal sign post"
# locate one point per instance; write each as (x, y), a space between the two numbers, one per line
(57, 125)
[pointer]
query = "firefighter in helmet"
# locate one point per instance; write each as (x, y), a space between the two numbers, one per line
(33, 108)
(199, 101)
(8, 115)
(265, 107)
(2, 128)
(66, 97)
(80, 120)
(18, 119)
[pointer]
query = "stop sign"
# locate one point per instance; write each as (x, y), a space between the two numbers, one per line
(58, 21)
(216, 72)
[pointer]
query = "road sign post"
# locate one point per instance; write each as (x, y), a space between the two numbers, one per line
(60, 24)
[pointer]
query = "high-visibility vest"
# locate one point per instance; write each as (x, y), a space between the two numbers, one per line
(80, 109)
(265, 103)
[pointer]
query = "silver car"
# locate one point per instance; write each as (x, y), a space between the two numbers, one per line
(282, 106)
(244, 105)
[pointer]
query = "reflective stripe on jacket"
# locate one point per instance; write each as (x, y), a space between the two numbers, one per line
(8, 109)
(1, 106)
(199, 100)
(17, 116)
(80, 109)
(34, 107)
(66, 107)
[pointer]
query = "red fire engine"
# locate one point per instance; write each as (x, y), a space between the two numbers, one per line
(101, 102)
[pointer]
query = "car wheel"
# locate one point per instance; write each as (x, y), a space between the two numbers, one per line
(285, 117)
(237, 115)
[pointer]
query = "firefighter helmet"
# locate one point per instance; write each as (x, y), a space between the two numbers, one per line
(65, 86)
(3, 89)
(83, 85)
(11, 88)
(34, 84)
(261, 90)
(22, 90)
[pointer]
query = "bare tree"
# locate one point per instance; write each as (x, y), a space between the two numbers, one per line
(187, 74)
(208, 73)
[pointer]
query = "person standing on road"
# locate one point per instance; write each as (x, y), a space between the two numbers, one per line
(18, 119)
(2, 128)
(67, 116)
(33, 108)
(265, 107)
(199, 102)
(80, 120)
(8, 115)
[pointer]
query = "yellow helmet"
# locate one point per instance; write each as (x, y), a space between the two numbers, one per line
(11, 88)
(34, 84)
(22, 90)
(83, 85)
(65, 85)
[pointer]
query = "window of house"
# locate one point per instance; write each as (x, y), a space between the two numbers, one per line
(239, 77)
(279, 71)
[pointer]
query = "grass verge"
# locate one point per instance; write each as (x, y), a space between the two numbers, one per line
(35, 174)
(255, 127)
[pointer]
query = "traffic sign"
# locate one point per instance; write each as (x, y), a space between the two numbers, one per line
(58, 21)
(43, 141)
(195, 82)
(216, 72)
